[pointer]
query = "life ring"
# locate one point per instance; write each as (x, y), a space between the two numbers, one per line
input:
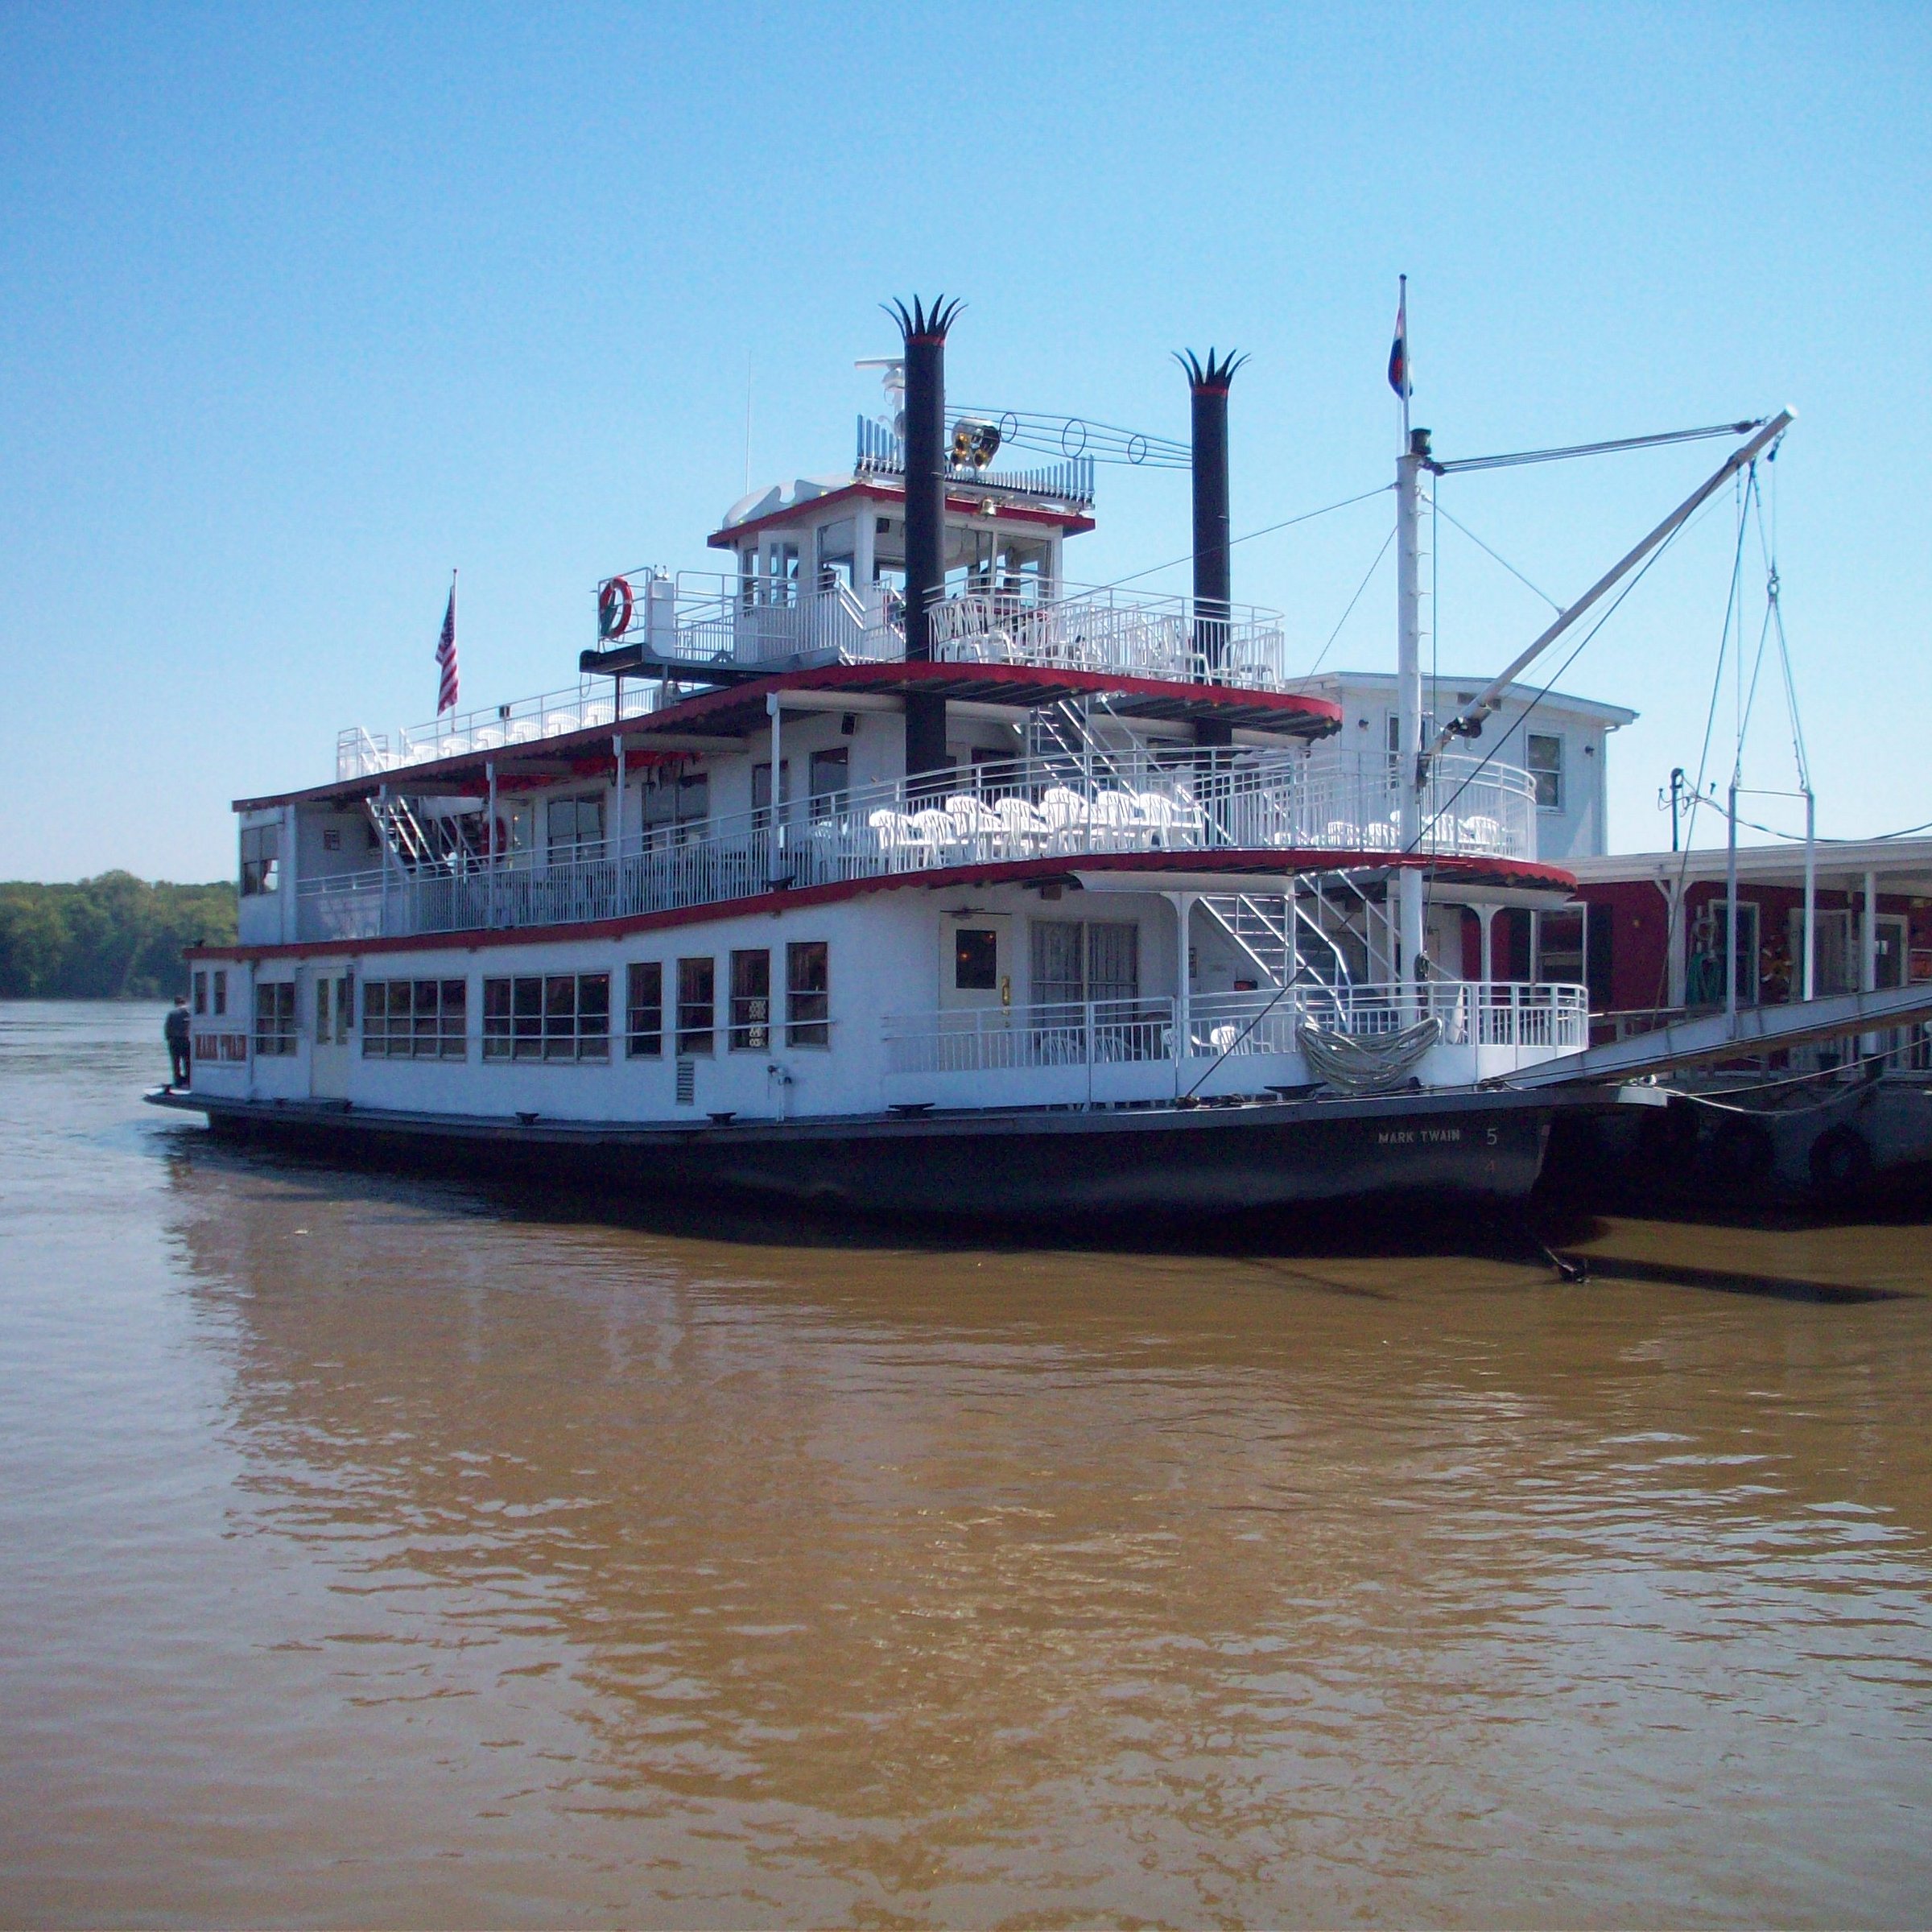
(615, 604)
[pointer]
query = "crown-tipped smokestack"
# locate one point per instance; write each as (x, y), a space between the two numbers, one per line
(1208, 382)
(924, 328)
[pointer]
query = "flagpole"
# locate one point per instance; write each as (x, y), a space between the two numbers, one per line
(1401, 308)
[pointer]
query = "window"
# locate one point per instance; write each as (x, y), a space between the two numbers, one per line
(321, 1013)
(807, 994)
(697, 1017)
(201, 993)
(345, 1005)
(261, 859)
(644, 1018)
(274, 1018)
(415, 1019)
(975, 959)
(220, 989)
(760, 788)
(782, 573)
(332, 838)
(830, 771)
(1074, 962)
(1546, 771)
(677, 799)
(750, 1001)
(576, 827)
(556, 1016)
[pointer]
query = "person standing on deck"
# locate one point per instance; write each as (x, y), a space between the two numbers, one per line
(174, 1030)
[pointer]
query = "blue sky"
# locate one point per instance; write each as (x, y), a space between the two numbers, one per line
(302, 307)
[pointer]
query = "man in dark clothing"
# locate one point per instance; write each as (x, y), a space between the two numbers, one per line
(174, 1030)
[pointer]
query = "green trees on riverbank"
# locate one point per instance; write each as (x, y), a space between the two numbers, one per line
(115, 937)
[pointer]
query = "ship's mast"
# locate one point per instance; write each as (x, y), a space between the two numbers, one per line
(1409, 469)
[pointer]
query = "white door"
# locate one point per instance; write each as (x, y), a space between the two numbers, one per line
(332, 1000)
(975, 962)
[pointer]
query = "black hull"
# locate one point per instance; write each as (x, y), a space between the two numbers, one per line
(1039, 1165)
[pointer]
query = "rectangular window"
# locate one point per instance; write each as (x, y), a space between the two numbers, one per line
(807, 994)
(1074, 961)
(220, 989)
(976, 960)
(576, 827)
(321, 1013)
(274, 1018)
(697, 1016)
(201, 993)
(415, 1019)
(760, 788)
(644, 1015)
(555, 1017)
(830, 773)
(1546, 771)
(261, 859)
(332, 838)
(345, 1004)
(750, 1002)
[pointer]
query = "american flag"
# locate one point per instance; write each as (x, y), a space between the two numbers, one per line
(446, 655)
(1399, 351)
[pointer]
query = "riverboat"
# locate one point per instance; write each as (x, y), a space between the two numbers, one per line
(891, 870)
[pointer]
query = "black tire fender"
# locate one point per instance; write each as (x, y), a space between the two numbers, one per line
(1840, 1162)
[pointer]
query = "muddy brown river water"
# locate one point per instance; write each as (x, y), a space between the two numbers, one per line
(375, 1550)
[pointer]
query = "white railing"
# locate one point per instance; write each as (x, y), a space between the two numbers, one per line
(1133, 634)
(706, 620)
(1551, 1019)
(1140, 802)
(362, 754)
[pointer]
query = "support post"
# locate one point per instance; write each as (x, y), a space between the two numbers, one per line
(1810, 894)
(1731, 907)
(1868, 964)
(774, 832)
(491, 846)
(1486, 919)
(616, 847)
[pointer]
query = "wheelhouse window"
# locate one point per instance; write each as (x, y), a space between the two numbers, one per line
(201, 993)
(644, 1012)
(697, 1008)
(261, 859)
(552, 1016)
(1546, 770)
(807, 994)
(274, 1018)
(750, 1001)
(220, 989)
(415, 1019)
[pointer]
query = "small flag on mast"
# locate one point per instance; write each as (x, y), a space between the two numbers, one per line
(1398, 350)
(446, 655)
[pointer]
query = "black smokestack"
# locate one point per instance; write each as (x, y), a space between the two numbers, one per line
(924, 329)
(1208, 382)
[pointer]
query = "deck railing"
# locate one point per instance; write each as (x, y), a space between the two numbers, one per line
(1546, 1018)
(705, 620)
(1267, 801)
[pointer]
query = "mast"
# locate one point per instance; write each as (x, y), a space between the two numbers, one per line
(1409, 766)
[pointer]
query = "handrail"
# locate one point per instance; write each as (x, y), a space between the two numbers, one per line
(1022, 810)
(1550, 1017)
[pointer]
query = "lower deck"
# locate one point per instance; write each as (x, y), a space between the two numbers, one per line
(1108, 989)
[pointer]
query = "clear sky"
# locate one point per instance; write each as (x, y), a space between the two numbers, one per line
(301, 307)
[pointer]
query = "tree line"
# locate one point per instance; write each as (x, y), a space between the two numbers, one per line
(113, 938)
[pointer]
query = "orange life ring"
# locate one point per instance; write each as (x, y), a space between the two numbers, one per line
(615, 604)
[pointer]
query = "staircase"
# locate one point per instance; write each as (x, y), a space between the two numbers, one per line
(403, 833)
(1259, 924)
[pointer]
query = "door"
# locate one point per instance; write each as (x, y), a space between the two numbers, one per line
(332, 1004)
(976, 963)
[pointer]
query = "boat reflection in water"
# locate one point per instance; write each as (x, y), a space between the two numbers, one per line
(623, 1572)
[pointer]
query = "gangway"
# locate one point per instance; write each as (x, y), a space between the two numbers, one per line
(1720, 1036)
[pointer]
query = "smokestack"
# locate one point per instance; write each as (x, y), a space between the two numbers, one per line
(924, 329)
(1208, 382)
